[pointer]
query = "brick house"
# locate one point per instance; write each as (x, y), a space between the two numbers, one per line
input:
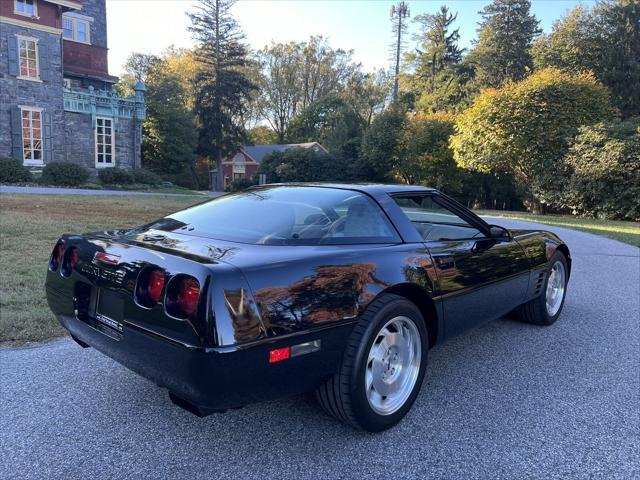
(244, 164)
(57, 101)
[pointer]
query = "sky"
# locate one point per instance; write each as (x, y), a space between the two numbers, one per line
(150, 26)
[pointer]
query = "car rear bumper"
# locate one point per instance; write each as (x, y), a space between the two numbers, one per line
(210, 379)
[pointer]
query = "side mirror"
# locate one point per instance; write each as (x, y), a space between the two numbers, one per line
(499, 233)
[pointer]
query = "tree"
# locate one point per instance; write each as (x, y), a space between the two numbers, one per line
(604, 40)
(506, 33)
(440, 79)
(302, 165)
(524, 129)
(424, 154)
(324, 70)
(438, 48)
(367, 94)
(331, 122)
(378, 157)
(280, 85)
(223, 88)
(169, 132)
(604, 162)
(261, 135)
(295, 75)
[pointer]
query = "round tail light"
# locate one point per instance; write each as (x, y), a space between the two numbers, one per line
(183, 294)
(69, 262)
(150, 287)
(56, 257)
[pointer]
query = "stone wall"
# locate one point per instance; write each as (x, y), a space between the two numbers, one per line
(46, 95)
(80, 141)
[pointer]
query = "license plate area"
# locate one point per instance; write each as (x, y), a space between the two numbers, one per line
(108, 316)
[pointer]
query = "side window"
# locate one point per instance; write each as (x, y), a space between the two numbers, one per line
(433, 221)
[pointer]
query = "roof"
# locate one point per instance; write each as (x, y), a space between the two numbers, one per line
(258, 152)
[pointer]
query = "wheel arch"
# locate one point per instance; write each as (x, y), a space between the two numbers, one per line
(565, 251)
(421, 299)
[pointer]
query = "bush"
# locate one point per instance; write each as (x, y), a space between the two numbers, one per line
(525, 129)
(604, 163)
(145, 177)
(303, 165)
(12, 171)
(115, 176)
(239, 184)
(64, 173)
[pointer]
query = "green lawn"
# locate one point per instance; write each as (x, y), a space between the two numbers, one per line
(29, 227)
(627, 232)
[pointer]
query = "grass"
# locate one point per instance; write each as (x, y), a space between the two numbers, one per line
(29, 227)
(627, 232)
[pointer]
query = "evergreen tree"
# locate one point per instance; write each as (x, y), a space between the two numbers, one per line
(439, 47)
(506, 33)
(441, 79)
(222, 84)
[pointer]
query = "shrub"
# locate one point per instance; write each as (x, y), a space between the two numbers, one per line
(302, 165)
(12, 171)
(604, 162)
(239, 184)
(525, 129)
(145, 177)
(115, 176)
(64, 173)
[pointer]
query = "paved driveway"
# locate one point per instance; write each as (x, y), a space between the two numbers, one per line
(506, 400)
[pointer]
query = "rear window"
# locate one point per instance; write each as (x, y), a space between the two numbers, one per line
(287, 216)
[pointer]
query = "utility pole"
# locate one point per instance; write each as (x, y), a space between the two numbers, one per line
(398, 13)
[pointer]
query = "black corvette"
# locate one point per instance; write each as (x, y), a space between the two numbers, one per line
(282, 289)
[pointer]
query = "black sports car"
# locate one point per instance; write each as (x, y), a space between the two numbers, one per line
(282, 289)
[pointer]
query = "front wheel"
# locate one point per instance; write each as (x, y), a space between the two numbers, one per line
(383, 366)
(545, 309)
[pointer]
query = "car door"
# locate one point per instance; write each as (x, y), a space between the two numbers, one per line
(479, 278)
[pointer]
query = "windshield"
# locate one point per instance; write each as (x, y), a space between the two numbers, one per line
(287, 216)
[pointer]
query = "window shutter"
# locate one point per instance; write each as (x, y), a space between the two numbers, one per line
(43, 61)
(16, 133)
(13, 55)
(47, 147)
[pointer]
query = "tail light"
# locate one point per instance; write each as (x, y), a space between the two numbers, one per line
(56, 257)
(150, 287)
(183, 294)
(69, 261)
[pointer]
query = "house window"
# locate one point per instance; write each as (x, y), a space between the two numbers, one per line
(25, 7)
(31, 135)
(28, 57)
(75, 29)
(104, 142)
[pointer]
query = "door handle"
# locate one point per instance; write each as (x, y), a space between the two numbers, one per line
(445, 262)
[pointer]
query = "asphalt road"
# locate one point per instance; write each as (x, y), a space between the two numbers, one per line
(505, 400)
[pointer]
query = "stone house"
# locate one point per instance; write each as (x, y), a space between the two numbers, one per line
(57, 101)
(244, 164)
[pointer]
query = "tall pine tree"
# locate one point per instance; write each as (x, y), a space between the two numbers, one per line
(222, 84)
(439, 80)
(506, 33)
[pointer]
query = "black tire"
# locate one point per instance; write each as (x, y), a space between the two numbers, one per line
(344, 395)
(535, 311)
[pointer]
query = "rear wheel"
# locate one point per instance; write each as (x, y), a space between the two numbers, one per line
(383, 367)
(545, 309)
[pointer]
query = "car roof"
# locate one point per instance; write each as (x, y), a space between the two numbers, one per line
(370, 188)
